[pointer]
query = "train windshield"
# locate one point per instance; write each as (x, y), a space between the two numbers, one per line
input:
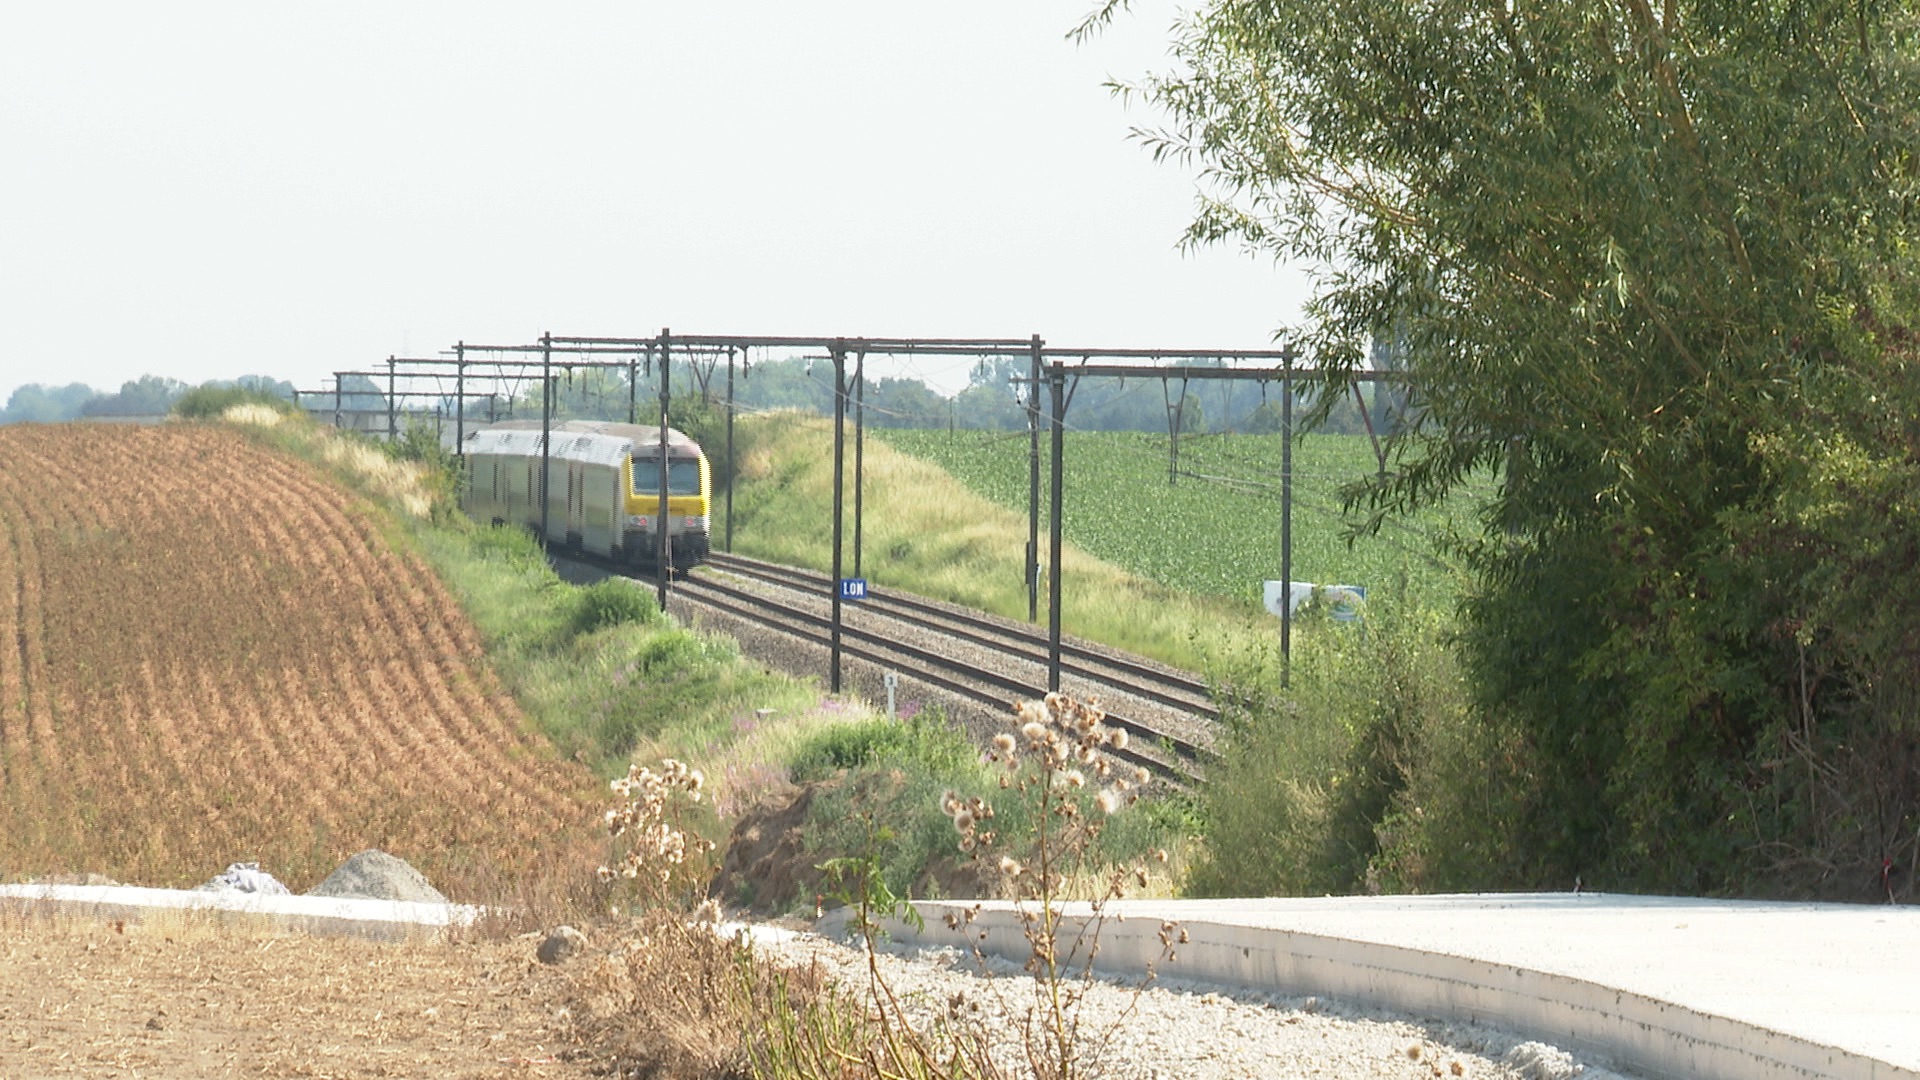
(683, 476)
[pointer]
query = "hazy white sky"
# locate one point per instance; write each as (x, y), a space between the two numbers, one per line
(203, 190)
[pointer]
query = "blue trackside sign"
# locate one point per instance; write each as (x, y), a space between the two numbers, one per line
(853, 588)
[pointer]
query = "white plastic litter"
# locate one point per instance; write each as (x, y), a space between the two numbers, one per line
(246, 877)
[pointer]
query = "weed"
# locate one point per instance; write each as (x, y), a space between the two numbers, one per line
(1059, 764)
(612, 602)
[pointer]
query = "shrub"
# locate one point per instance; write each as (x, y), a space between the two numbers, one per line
(420, 443)
(924, 744)
(612, 602)
(895, 774)
(210, 401)
(1317, 760)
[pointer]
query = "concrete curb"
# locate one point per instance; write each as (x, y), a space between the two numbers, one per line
(378, 920)
(1636, 1031)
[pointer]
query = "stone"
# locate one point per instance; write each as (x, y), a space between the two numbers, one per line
(563, 944)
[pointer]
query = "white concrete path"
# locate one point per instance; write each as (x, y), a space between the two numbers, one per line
(1658, 986)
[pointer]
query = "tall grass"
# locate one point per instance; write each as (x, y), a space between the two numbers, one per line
(597, 667)
(926, 532)
(1343, 772)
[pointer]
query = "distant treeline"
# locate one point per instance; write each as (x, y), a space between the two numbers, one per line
(992, 399)
(150, 395)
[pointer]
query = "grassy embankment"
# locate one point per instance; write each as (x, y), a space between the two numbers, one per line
(926, 532)
(602, 674)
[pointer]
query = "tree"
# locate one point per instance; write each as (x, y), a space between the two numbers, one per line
(904, 403)
(149, 395)
(34, 403)
(1651, 268)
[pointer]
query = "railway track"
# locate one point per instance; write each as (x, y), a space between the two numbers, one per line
(1172, 688)
(966, 654)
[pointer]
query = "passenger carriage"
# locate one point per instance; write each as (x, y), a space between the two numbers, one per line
(602, 489)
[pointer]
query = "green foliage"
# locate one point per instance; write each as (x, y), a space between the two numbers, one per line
(1316, 766)
(706, 423)
(149, 395)
(916, 846)
(508, 544)
(210, 400)
(894, 772)
(420, 443)
(857, 881)
(923, 743)
(594, 665)
(612, 602)
(38, 404)
(1651, 264)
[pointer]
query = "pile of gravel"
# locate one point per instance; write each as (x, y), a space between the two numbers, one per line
(375, 875)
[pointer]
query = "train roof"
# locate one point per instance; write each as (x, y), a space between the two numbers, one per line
(567, 445)
(644, 440)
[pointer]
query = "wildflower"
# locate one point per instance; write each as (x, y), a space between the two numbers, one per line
(1073, 778)
(1035, 732)
(963, 819)
(1010, 866)
(1117, 738)
(1107, 801)
(1003, 743)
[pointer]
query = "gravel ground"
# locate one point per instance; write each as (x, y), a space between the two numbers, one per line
(1171, 1030)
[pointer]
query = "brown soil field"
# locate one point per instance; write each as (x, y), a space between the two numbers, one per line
(180, 1000)
(210, 653)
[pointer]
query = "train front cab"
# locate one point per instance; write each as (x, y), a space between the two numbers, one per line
(689, 499)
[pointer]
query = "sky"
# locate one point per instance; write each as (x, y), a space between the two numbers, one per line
(204, 190)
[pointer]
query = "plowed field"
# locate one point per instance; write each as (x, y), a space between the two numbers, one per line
(209, 654)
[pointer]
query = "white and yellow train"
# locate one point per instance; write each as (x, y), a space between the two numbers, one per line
(602, 489)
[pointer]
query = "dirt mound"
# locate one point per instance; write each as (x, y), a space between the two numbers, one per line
(769, 869)
(766, 867)
(375, 875)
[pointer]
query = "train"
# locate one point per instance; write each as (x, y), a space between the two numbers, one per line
(602, 491)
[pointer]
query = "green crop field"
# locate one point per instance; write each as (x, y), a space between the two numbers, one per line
(1216, 530)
